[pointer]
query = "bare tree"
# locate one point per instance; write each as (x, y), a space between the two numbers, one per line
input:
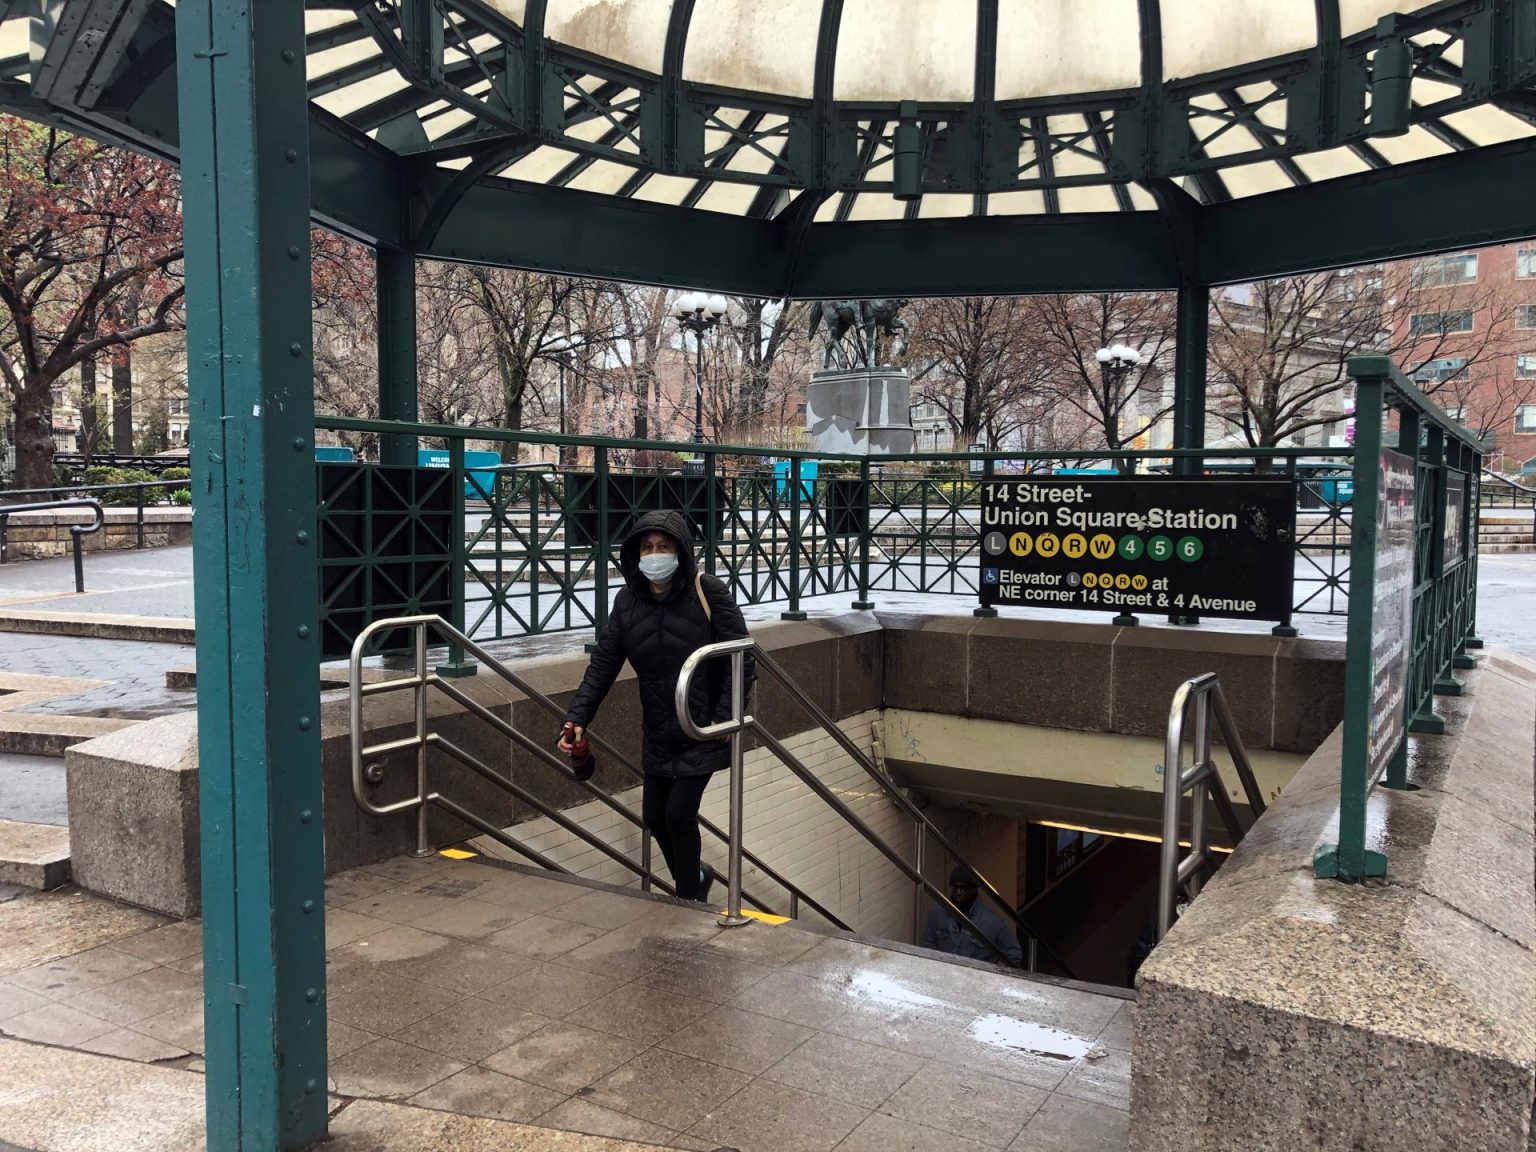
(1280, 349)
(1119, 407)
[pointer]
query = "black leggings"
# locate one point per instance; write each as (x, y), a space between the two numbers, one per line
(670, 808)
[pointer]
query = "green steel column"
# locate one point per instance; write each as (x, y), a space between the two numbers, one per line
(457, 666)
(1193, 321)
(864, 603)
(245, 169)
(796, 539)
(1193, 317)
(602, 545)
(396, 284)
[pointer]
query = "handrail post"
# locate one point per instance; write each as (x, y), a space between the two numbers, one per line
(1173, 794)
(138, 494)
(600, 541)
(733, 917)
(1204, 779)
(420, 693)
(794, 612)
(864, 603)
(919, 861)
(77, 537)
(457, 665)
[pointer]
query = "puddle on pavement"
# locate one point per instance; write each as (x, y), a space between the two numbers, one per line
(1023, 1036)
(893, 993)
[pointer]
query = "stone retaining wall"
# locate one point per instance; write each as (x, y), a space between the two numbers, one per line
(1284, 1012)
(39, 535)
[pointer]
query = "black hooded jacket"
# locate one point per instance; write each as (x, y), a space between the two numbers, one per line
(656, 635)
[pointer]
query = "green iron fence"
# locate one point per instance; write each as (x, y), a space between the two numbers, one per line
(1414, 544)
(536, 544)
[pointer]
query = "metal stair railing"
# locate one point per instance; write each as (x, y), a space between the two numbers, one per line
(1204, 779)
(77, 532)
(923, 828)
(366, 770)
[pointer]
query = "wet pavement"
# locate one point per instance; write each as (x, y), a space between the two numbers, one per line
(32, 790)
(507, 994)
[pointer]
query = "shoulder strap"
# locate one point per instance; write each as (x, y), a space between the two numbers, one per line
(698, 586)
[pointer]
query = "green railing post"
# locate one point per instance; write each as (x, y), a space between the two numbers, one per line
(794, 612)
(1471, 462)
(395, 288)
(1285, 629)
(985, 612)
(711, 512)
(1349, 859)
(457, 665)
(864, 603)
(601, 542)
(1443, 643)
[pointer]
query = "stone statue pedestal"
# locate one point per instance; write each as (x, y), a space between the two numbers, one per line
(861, 411)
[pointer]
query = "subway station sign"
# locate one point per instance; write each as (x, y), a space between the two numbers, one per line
(1197, 546)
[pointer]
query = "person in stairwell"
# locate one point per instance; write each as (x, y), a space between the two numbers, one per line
(943, 932)
(665, 612)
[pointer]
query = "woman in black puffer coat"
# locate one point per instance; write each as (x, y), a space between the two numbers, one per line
(657, 622)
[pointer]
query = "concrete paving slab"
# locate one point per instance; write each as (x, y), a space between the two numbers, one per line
(33, 855)
(42, 734)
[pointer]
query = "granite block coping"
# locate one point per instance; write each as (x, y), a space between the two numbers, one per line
(1393, 1014)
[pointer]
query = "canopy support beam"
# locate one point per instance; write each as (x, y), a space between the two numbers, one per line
(245, 154)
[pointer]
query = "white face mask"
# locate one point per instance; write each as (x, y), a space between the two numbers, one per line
(658, 567)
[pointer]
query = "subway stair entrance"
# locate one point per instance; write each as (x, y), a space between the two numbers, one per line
(636, 1015)
(862, 858)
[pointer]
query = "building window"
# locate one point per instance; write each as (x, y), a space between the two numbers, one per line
(1456, 413)
(1438, 371)
(1525, 316)
(1525, 365)
(1238, 293)
(178, 407)
(1440, 271)
(1525, 418)
(1525, 263)
(1440, 323)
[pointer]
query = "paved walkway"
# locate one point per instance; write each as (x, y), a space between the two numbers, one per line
(488, 992)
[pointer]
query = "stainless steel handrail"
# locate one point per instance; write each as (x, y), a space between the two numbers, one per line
(421, 679)
(739, 723)
(77, 532)
(1204, 778)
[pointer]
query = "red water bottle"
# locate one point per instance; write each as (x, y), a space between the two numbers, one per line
(583, 763)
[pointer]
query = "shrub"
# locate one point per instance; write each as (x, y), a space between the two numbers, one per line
(124, 497)
(182, 497)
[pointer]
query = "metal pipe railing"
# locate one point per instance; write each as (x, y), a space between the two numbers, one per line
(740, 722)
(77, 532)
(1203, 779)
(422, 679)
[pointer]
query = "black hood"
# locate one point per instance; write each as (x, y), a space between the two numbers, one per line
(675, 526)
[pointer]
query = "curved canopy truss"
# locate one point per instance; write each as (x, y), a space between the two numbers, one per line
(752, 144)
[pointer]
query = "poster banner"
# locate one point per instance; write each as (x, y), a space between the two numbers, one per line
(1200, 546)
(1392, 614)
(1455, 517)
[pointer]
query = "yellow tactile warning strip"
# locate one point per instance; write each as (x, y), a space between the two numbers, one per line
(457, 854)
(763, 917)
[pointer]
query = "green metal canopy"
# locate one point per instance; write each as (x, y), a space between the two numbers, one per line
(813, 147)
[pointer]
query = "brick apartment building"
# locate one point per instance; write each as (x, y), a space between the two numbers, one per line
(1478, 352)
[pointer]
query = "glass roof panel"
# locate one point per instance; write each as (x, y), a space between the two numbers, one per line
(1045, 47)
(355, 96)
(1419, 144)
(733, 199)
(513, 10)
(1200, 36)
(945, 204)
(601, 176)
(1027, 203)
(877, 206)
(756, 46)
(1092, 198)
(906, 50)
(665, 189)
(1358, 15)
(630, 31)
(1333, 163)
(1255, 179)
(1486, 124)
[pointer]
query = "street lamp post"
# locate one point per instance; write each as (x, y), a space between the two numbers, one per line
(698, 313)
(1115, 363)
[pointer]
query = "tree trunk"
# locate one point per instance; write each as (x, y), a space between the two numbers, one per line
(34, 435)
(122, 403)
(86, 438)
(513, 383)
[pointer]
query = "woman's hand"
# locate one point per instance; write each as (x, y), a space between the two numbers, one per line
(570, 737)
